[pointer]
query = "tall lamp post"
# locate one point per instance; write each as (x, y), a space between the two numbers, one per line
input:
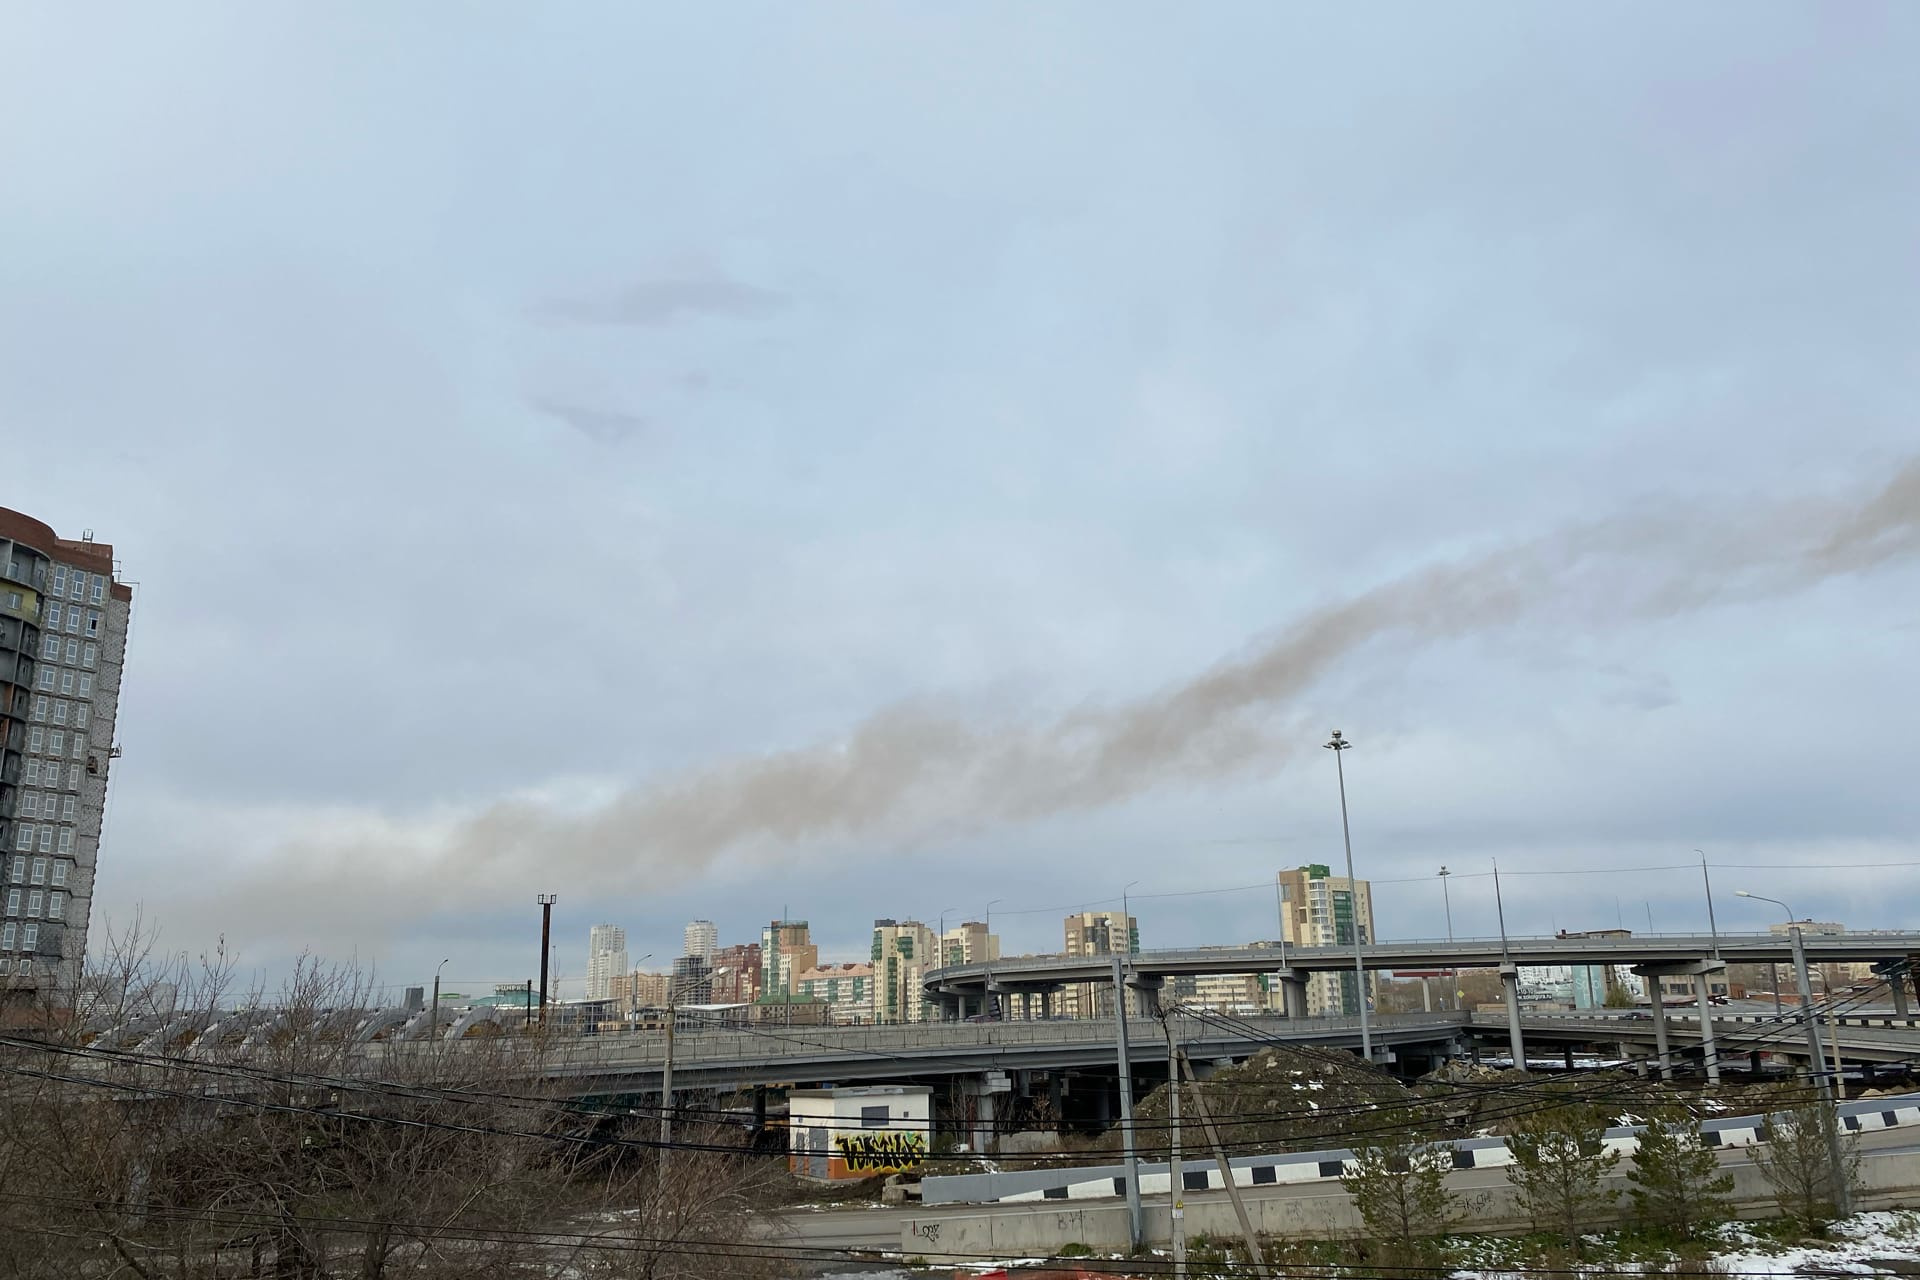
(986, 962)
(546, 901)
(1339, 746)
(1842, 1191)
(433, 1019)
(1453, 975)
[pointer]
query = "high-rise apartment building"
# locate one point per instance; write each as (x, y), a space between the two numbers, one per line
(1320, 909)
(1097, 933)
(737, 974)
(846, 990)
(702, 939)
(606, 959)
(902, 951)
(63, 646)
(969, 944)
(786, 949)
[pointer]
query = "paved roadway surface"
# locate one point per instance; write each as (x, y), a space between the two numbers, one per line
(877, 1228)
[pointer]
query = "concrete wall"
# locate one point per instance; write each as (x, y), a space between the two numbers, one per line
(1886, 1180)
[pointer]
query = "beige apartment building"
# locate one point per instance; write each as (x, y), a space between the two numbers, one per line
(846, 990)
(901, 954)
(1097, 933)
(970, 943)
(1320, 909)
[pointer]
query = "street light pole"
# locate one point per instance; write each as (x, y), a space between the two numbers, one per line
(1453, 975)
(1126, 937)
(546, 901)
(433, 1019)
(1830, 1120)
(1339, 746)
(986, 963)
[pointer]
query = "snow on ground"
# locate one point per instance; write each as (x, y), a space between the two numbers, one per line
(1864, 1240)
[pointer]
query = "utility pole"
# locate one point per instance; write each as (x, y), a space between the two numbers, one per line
(1135, 1228)
(1453, 975)
(666, 1077)
(1226, 1169)
(1176, 1169)
(546, 901)
(1816, 1061)
(1339, 746)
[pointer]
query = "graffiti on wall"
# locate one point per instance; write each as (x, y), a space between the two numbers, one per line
(882, 1152)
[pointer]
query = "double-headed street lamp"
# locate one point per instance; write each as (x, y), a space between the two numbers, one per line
(1829, 1119)
(1339, 746)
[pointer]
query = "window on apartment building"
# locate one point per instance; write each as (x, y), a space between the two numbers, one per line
(89, 655)
(13, 902)
(56, 741)
(73, 777)
(59, 872)
(56, 905)
(93, 624)
(98, 593)
(50, 646)
(29, 939)
(78, 743)
(46, 838)
(30, 804)
(23, 836)
(20, 869)
(66, 840)
(79, 583)
(47, 676)
(81, 714)
(66, 682)
(66, 807)
(73, 652)
(33, 772)
(26, 962)
(35, 901)
(15, 600)
(60, 708)
(59, 579)
(5, 966)
(8, 933)
(86, 685)
(73, 622)
(53, 617)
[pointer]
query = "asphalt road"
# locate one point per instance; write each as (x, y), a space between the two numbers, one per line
(873, 1227)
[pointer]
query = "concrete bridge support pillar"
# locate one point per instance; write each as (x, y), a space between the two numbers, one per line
(1293, 995)
(1664, 1055)
(1046, 1004)
(1897, 984)
(1708, 1053)
(1510, 985)
(1569, 1057)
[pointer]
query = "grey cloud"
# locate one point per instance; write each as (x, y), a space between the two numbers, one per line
(657, 303)
(607, 426)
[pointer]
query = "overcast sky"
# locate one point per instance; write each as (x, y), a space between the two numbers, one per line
(632, 415)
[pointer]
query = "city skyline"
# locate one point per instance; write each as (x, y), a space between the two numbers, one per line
(940, 498)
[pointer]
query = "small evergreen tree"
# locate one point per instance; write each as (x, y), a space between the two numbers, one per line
(1677, 1180)
(1399, 1186)
(1798, 1163)
(1559, 1162)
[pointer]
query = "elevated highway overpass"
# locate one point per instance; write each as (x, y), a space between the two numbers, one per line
(960, 989)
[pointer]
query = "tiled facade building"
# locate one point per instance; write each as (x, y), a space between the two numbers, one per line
(63, 644)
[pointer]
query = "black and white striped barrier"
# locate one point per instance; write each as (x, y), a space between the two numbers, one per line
(1106, 1181)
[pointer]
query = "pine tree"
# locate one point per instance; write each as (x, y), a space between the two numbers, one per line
(1559, 1161)
(1798, 1163)
(1677, 1180)
(1399, 1186)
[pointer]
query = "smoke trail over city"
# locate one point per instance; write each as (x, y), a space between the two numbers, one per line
(905, 771)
